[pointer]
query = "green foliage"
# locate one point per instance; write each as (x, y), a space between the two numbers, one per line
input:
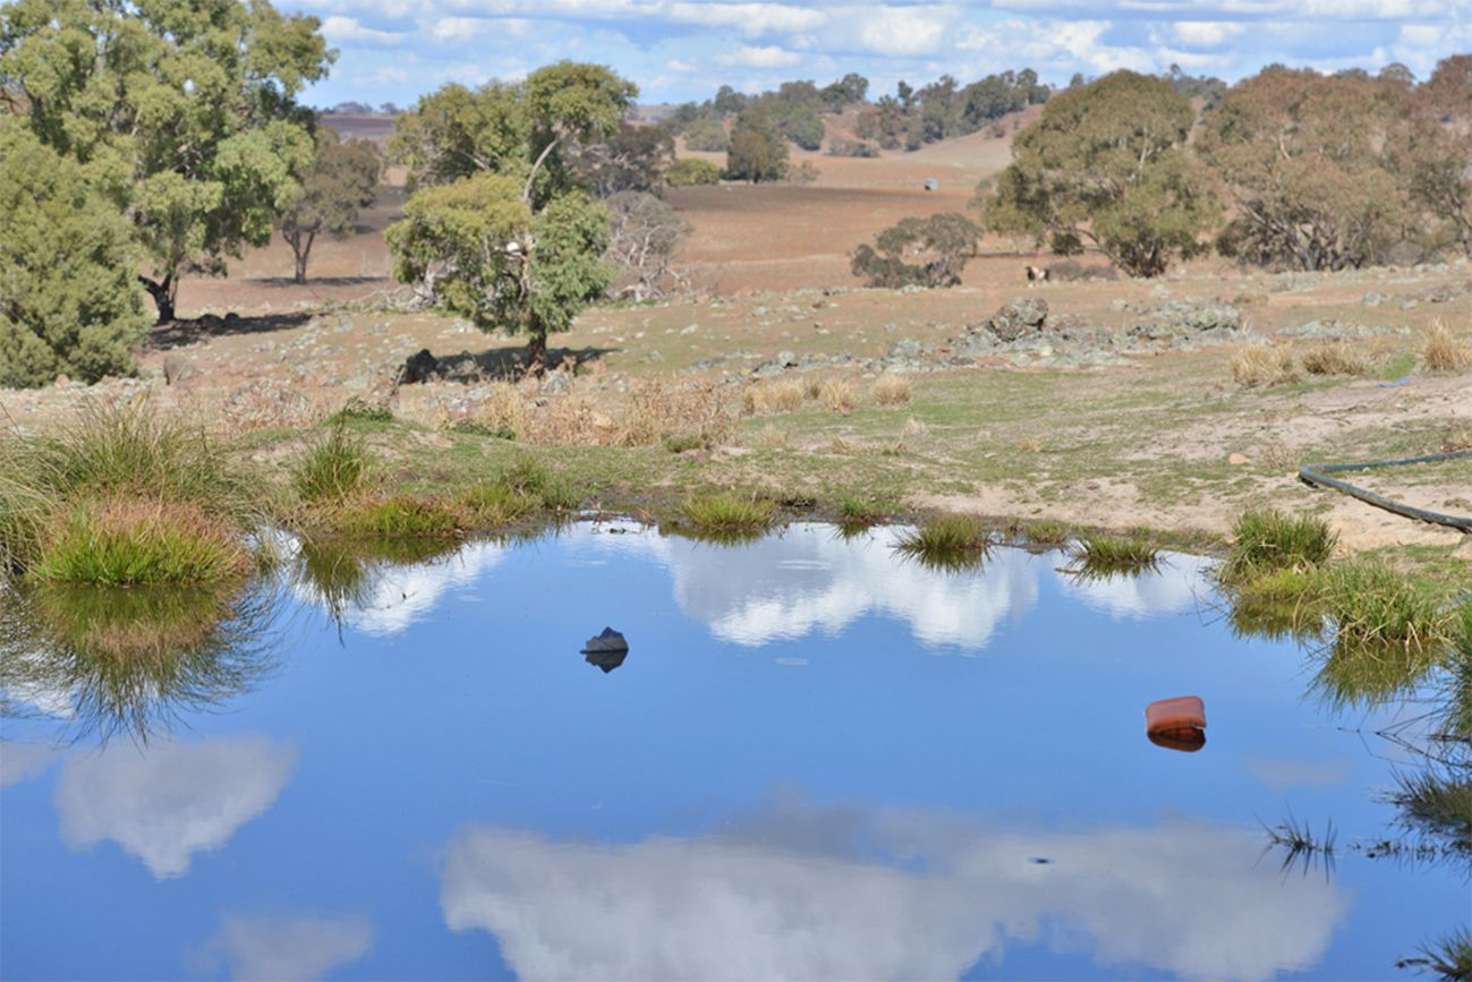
(181, 111)
(942, 245)
(333, 468)
(949, 543)
(1106, 163)
(1373, 606)
(342, 181)
(729, 516)
(634, 158)
(1307, 162)
(69, 298)
(356, 410)
(1106, 555)
(945, 108)
(501, 235)
(707, 136)
(1436, 144)
(692, 171)
(137, 542)
(757, 151)
(1268, 540)
(852, 148)
(397, 517)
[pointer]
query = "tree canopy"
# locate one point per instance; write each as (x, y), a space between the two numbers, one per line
(1106, 163)
(182, 112)
(757, 151)
(929, 252)
(69, 298)
(342, 181)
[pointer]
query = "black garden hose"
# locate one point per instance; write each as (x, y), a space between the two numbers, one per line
(1317, 475)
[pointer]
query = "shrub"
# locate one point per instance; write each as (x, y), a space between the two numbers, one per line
(942, 244)
(692, 172)
(852, 148)
(1443, 352)
(333, 467)
(949, 542)
(891, 390)
(1069, 271)
(1334, 359)
(136, 542)
(1259, 365)
(707, 136)
(1267, 540)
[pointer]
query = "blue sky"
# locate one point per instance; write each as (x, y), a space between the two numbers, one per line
(683, 49)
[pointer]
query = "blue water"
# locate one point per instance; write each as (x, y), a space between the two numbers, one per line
(816, 762)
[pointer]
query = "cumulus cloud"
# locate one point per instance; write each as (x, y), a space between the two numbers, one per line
(751, 19)
(1175, 587)
(23, 761)
(286, 949)
(769, 56)
(903, 30)
(348, 31)
(167, 801)
(456, 29)
(1185, 898)
(1206, 33)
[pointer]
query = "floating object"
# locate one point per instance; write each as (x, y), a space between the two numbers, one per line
(1177, 724)
(607, 650)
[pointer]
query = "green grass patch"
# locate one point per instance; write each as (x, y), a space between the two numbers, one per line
(729, 516)
(356, 410)
(333, 467)
(1107, 555)
(131, 543)
(1267, 540)
(399, 517)
(947, 542)
(1373, 606)
(857, 513)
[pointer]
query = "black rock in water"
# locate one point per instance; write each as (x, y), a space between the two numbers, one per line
(606, 650)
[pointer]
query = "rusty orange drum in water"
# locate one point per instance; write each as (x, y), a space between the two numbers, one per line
(1177, 724)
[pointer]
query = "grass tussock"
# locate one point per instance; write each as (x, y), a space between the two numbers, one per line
(729, 515)
(123, 542)
(891, 390)
(1261, 366)
(778, 396)
(948, 542)
(1106, 555)
(838, 395)
(1443, 352)
(1373, 606)
(397, 517)
(1449, 959)
(333, 468)
(58, 486)
(1046, 533)
(1335, 358)
(504, 412)
(357, 410)
(857, 513)
(1268, 540)
(691, 416)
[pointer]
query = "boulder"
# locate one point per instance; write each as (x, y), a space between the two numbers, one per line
(1017, 318)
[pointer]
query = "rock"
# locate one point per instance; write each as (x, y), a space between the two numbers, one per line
(556, 383)
(1238, 459)
(1185, 318)
(1017, 318)
(690, 329)
(1373, 299)
(908, 348)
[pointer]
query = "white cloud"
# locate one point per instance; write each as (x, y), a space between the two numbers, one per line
(1177, 586)
(456, 29)
(1184, 898)
(770, 56)
(347, 30)
(167, 801)
(751, 19)
(23, 761)
(676, 65)
(905, 31)
(1206, 33)
(287, 949)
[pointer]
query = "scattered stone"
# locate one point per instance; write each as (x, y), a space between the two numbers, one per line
(1238, 459)
(1016, 318)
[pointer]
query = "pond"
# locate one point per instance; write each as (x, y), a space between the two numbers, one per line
(818, 760)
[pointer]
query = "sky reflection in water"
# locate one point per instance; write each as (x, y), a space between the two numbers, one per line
(817, 761)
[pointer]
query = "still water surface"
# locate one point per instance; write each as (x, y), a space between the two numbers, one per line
(817, 761)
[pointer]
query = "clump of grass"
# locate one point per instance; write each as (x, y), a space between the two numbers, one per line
(1335, 359)
(1267, 540)
(779, 396)
(891, 390)
(530, 477)
(1260, 365)
(1443, 352)
(397, 517)
(948, 542)
(1046, 533)
(657, 412)
(1301, 846)
(123, 542)
(729, 514)
(837, 394)
(1436, 807)
(771, 437)
(856, 513)
(333, 468)
(504, 412)
(114, 452)
(1283, 603)
(495, 503)
(359, 410)
(1106, 555)
(1372, 605)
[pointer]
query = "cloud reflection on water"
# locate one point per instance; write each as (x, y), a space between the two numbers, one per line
(912, 895)
(285, 949)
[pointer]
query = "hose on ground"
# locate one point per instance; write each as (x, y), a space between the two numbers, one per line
(1317, 475)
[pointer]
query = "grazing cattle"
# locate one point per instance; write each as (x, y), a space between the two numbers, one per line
(1036, 275)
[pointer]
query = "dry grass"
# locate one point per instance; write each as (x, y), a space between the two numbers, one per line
(914, 429)
(692, 414)
(771, 437)
(504, 412)
(1458, 437)
(782, 396)
(1335, 359)
(838, 395)
(1263, 366)
(891, 390)
(1443, 352)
